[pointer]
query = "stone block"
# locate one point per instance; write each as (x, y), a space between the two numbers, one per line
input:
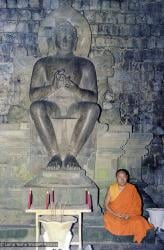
(154, 19)
(33, 26)
(54, 4)
(120, 18)
(34, 3)
(99, 16)
(160, 42)
(151, 43)
(4, 14)
(160, 67)
(129, 30)
(112, 42)
(126, 42)
(129, 55)
(22, 3)
(1, 26)
(14, 217)
(124, 6)
(130, 19)
(155, 31)
(115, 5)
(97, 233)
(22, 27)
(18, 233)
(147, 66)
(100, 41)
(105, 5)
(11, 4)
(114, 30)
(161, 28)
(141, 18)
(152, 8)
(108, 29)
(38, 14)
(30, 38)
(133, 6)
(24, 14)
(12, 14)
(10, 26)
(10, 38)
(145, 30)
(109, 17)
(139, 55)
(47, 4)
(3, 4)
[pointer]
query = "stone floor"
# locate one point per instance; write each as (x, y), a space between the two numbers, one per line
(159, 245)
(97, 242)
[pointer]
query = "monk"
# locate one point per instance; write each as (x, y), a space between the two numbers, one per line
(122, 214)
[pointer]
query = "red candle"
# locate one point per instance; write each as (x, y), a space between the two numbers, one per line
(47, 199)
(52, 198)
(86, 196)
(89, 201)
(30, 198)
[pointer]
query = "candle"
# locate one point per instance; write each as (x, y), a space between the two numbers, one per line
(52, 198)
(47, 199)
(89, 201)
(29, 198)
(86, 196)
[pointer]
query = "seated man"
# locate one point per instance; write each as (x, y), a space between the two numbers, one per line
(123, 209)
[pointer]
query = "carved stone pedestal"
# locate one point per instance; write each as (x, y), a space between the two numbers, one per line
(69, 188)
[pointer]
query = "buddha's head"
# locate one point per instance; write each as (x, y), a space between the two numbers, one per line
(65, 37)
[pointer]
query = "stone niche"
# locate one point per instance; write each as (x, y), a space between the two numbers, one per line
(111, 145)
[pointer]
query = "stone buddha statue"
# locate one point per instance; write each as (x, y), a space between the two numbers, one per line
(64, 86)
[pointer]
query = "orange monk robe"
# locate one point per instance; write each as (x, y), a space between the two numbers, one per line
(127, 202)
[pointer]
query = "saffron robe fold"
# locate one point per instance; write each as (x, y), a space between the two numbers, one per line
(127, 202)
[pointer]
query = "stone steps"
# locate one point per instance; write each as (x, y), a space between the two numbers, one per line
(96, 236)
(19, 233)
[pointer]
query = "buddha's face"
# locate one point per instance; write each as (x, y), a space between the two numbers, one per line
(65, 38)
(122, 178)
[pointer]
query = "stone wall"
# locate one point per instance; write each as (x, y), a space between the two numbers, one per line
(127, 50)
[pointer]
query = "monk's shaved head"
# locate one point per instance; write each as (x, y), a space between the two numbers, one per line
(122, 176)
(124, 171)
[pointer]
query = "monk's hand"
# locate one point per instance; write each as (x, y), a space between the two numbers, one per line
(118, 215)
(125, 216)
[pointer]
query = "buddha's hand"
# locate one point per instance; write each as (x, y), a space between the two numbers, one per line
(59, 79)
(69, 84)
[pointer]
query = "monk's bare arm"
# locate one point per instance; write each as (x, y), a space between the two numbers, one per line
(38, 90)
(106, 204)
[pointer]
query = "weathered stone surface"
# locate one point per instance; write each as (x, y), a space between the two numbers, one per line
(69, 188)
(132, 32)
(22, 3)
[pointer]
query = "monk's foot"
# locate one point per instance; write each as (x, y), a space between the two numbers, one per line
(55, 162)
(70, 162)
